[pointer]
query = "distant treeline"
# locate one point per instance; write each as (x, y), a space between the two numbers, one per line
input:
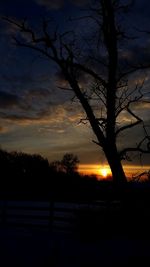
(23, 175)
(33, 175)
(31, 166)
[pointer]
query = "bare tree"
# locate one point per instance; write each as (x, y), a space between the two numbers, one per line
(108, 94)
(68, 164)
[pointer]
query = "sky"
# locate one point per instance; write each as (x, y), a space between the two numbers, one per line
(38, 117)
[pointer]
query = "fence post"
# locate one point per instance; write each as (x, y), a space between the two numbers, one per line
(51, 213)
(4, 213)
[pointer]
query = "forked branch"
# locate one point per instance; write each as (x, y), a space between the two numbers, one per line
(142, 147)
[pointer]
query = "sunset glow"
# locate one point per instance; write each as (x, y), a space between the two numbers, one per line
(36, 117)
(101, 171)
(104, 172)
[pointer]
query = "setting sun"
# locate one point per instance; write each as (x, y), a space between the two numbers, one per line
(101, 171)
(104, 172)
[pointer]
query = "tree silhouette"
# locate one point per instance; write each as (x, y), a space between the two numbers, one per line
(68, 164)
(56, 166)
(23, 171)
(108, 93)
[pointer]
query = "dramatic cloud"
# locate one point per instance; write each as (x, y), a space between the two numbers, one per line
(35, 116)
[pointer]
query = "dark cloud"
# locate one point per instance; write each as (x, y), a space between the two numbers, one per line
(56, 4)
(79, 2)
(19, 117)
(8, 100)
(82, 77)
(38, 93)
(26, 114)
(137, 54)
(29, 102)
(18, 78)
(32, 105)
(51, 4)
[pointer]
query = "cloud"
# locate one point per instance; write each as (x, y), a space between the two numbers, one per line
(142, 106)
(83, 79)
(23, 79)
(38, 97)
(135, 54)
(37, 107)
(3, 129)
(56, 4)
(51, 4)
(31, 105)
(79, 2)
(8, 100)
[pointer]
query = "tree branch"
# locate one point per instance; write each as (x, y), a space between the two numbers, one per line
(123, 153)
(44, 52)
(128, 126)
(64, 88)
(126, 99)
(45, 40)
(91, 72)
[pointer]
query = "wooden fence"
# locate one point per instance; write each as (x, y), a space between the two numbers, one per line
(48, 215)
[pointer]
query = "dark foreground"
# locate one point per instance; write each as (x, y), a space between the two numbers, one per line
(103, 233)
(30, 248)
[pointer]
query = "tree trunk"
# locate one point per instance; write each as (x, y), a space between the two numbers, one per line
(118, 174)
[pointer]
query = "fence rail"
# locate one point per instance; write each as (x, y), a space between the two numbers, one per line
(54, 216)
